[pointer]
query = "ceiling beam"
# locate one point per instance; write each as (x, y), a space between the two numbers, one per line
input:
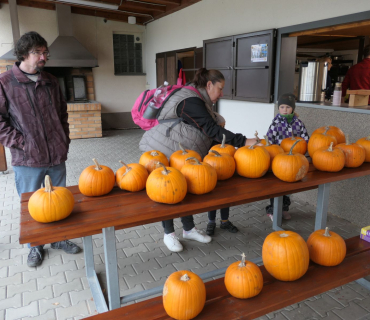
(172, 9)
(165, 2)
(141, 7)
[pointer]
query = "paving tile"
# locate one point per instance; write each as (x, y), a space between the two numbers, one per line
(13, 302)
(74, 285)
(29, 286)
(17, 313)
(78, 296)
(75, 274)
(151, 264)
(145, 256)
(353, 312)
(302, 312)
(49, 315)
(44, 282)
(79, 309)
(172, 258)
(46, 293)
(16, 279)
(345, 295)
(70, 266)
(130, 251)
(324, 304)
(163, 272)
(141, 278)
(187, 265)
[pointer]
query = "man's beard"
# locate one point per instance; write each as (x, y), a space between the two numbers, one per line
(40, 66)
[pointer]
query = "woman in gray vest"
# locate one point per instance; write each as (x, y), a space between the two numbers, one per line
(189, 119)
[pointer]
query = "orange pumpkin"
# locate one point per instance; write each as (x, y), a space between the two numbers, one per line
(326, 248)
(184, 295)
(365, 142)
(290, 167)
(333, 131)
(131, 177)
(329, 159)
(200, 176)
(354, 153)
(223, 163)
(273, 150)
(166, 185)
(243, 279)
(150, 160)
(178, 158)
(285, 255)
(319, 140)
(224, 148)
(96, 180)
(252, 162)
(51, 203)
(300, 147)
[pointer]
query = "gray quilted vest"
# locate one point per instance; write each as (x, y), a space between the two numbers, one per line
(171, 131)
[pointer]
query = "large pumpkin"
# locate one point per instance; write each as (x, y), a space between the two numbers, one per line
(50, 203)
(273, 150)
(285, 255)
(252, 162)
(290, 167)
(131, 177)
(365, 142)
(150, 160)
(319, 140)
(300, 147)
(224, 148)
(166, 185)
(184, 295)
(178, 158)
(243, 279)
(326, 248)
(333, 131)
(354, 153)
(96, 180)
(200, 176)
(223, 163)
(329, 159)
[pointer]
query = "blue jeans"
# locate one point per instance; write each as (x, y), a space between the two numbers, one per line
(28, 179)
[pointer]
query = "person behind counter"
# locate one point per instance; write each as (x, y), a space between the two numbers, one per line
(358, 76)
(329, 88)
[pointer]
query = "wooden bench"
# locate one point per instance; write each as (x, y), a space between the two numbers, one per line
(274, 295)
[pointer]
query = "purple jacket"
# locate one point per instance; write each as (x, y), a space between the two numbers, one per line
(33, 119)
(281, 129)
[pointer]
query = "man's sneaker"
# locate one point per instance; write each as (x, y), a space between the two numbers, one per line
(67, 246)
(35, 256)
(172, 242)
(286, 215)
(229, 227)
(211, 228)
(270, 216)
(197, 235)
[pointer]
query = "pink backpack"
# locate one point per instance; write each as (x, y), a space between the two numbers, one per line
(146, 97)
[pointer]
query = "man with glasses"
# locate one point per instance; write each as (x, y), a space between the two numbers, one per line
(34, 126)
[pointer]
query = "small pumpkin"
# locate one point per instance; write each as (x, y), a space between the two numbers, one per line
(329, 159)
(319, 140)
(96, 180)
(166, 185)
(354, 153)
(273, 150)
(178, 158)
(326, 248)
(290, 167)
(131, 177)
(149, 159)
(285, 255)
(184, 295)
(243, 279)
(300, 147)
(223, 163)
(333, 131)
(51, 203)
(365, 142)
(224, 148)
(200, 176)
(251, 161)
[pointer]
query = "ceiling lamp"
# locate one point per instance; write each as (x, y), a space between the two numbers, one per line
(132, 20)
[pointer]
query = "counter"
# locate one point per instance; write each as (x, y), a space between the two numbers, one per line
(328, 106)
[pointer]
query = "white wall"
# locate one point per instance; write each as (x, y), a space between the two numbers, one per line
(115, 93)
(209, 19)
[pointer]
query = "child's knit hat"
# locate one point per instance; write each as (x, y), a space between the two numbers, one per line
(288, 99)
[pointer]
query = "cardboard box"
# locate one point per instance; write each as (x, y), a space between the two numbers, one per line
(366, 231)
(366, 238)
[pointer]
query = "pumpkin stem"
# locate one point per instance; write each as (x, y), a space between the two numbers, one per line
(223, 141)
(98, 167)
(291, 149)
(165, 171)
(215, 152)
(347, 139)
(284, 235)
(182, 149)
(154, 153)
(327, 234)
(331, 147)
(48, 184)
(326, 130)
(257, 137)
(267, 141)
(185, 277)
(242, 263)
(192, 158)
(368, 138)
(252, 146)
(127, 168)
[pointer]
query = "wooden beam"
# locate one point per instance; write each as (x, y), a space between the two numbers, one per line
(165, 2)
(172, 9)
(328, 29)
(141, 7)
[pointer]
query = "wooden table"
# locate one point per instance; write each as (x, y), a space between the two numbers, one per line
(120, 209)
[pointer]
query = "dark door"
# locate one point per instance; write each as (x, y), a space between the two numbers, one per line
(161, 68)
(287, 65)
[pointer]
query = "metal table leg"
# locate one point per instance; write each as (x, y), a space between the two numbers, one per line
(111, 268)
(278, 214)
(363, 282)
(101, 305)
(322, 206)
